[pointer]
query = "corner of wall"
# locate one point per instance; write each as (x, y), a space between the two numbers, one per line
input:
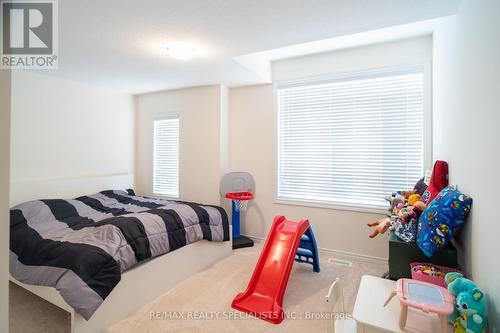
(135, 105)
(224, 130)
(465, 93)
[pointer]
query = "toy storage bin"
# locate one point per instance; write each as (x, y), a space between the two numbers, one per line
(402, 254)
(437, 280)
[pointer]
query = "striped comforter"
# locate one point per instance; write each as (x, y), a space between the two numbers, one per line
(81, 246)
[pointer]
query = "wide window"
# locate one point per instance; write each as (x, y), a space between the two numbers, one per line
(352, 139)
(166, 157)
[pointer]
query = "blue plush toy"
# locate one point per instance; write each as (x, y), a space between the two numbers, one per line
(470, 306)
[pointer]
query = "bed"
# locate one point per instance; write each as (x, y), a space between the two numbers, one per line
(140, 265)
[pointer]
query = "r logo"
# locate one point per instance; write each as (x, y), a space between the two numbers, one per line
(27, 28)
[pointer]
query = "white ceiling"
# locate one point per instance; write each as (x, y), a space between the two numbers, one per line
(120, 43)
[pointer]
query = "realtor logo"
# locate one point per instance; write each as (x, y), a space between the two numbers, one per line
(29, 34)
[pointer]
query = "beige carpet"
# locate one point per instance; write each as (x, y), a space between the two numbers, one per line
(208, 294)
(30, 313)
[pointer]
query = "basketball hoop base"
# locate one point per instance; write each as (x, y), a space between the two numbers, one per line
(241, 242)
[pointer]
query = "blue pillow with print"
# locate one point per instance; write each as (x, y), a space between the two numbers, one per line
(438, 223)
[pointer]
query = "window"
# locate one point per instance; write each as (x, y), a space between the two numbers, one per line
(166, 157)
(350, 140)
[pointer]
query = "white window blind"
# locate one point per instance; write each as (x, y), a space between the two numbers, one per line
(351, 140)
(166, 157)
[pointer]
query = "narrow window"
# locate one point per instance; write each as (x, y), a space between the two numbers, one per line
(166, 157)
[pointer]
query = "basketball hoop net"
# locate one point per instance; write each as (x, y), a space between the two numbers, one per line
(240, 200)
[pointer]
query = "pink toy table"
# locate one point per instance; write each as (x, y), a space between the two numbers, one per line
(424, 296)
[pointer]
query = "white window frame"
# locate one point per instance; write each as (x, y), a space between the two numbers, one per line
(165, 116)
(427, 132)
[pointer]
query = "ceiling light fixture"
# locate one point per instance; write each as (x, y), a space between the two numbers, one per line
(181, 50)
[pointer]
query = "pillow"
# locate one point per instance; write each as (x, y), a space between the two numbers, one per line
(438, 223)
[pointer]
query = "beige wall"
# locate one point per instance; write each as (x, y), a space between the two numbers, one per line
(202, 122)
(5, 89)
(253, 143)
(404, 52)
(253, 149)
(65, 129)
(467, 117)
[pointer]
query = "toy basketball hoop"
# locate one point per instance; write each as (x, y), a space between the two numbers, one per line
(239, 188)
(240, 200)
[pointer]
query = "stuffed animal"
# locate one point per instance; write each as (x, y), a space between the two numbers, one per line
(407, 193)
(406, 223)
(395, 202)
(400, 210)
(420, 186)
(457, 326)
(381, 226)
(433, 271)
(469, 303)
(413, 212)
(412, 199)
(428, 270)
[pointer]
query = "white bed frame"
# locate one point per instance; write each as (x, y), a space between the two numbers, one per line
(140, 284)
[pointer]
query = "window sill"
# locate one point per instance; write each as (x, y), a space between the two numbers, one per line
(353, 208)
(164, 197)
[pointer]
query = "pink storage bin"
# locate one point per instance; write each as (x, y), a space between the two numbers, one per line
(437, 280)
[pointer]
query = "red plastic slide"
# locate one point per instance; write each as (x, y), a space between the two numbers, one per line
(263, 297)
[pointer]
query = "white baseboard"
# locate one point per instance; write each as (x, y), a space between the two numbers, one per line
(337, 252)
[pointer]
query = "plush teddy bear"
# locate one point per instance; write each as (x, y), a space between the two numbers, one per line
(469, 304)
(413, 198)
